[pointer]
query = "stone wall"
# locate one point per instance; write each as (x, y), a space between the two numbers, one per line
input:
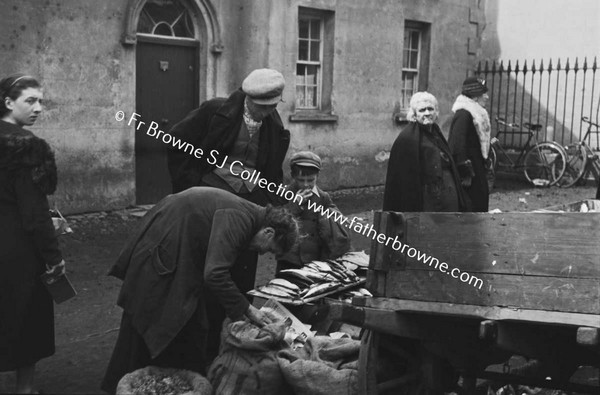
(75, 48)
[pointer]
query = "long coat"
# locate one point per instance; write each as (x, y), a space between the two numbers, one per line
(464, 144)
(27, 244)
(215, 126)
(419, 161)
(185, 249)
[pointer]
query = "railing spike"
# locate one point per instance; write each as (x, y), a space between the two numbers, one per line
(584, 64)
(558, 65)
(576, 67)
(509, 68)
(501, 68)
(478, 68)
(567, 67)
(486, 69)
(533, 70)
(525, 67)
(493, 67)
(517, 66)
(541, 65)
(594, 65)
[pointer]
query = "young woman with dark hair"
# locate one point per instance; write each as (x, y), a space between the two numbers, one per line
(28, 245)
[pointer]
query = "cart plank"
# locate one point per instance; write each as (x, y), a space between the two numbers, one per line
(481, 312)
(536, 261)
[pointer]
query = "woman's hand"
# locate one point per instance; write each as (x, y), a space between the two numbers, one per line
(466, 182)
(260, 318)
(56, 269)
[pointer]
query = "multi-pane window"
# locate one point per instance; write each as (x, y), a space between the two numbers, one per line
(410, 64)
(309, 64)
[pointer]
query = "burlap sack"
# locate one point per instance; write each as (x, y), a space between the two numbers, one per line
(248, 363)
(324, 366)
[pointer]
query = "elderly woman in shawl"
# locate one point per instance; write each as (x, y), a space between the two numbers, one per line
(421, 174)
(469, 140)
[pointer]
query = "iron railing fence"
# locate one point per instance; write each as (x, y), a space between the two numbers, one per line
(555, 94)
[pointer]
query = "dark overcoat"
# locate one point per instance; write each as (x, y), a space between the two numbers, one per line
(27, 245)
(185, 249)
(215, 126)
(464, 144)
(415, 164)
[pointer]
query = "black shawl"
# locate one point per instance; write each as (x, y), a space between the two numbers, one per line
(404, 185)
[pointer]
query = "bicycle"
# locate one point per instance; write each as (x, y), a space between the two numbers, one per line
(581, 160)
(543, 163)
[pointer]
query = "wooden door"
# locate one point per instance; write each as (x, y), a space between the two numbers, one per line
(166, 90)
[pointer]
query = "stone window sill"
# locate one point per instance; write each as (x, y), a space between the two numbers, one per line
(313, 117)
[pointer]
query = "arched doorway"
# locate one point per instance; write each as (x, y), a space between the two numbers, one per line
(173, 74)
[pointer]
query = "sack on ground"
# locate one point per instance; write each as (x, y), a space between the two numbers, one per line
(248, 363)
(153, 380)
(324, 366)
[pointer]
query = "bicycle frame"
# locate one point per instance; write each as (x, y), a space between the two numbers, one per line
(593, 163)
(518, 163)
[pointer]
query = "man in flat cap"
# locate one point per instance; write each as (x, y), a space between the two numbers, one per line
(243, 128)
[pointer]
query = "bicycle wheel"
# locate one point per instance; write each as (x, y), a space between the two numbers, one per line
(576, 165)
(544, 164)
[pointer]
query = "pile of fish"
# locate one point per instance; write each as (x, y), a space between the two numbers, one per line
(317, 277)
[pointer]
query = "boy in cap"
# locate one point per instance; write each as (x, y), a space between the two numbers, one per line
(322, 237)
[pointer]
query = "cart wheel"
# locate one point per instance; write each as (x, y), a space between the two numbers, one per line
(393, 365)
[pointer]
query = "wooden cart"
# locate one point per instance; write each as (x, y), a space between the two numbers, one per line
(525, 284)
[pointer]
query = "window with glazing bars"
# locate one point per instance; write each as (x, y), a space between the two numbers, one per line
(309, 64)
(410, 64)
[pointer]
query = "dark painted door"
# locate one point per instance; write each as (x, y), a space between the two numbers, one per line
(166, 90)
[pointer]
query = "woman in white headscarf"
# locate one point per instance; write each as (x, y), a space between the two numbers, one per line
(469, 141)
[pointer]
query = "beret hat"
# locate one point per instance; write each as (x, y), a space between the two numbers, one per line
(306, 159)
(473, 87)
(264, 86)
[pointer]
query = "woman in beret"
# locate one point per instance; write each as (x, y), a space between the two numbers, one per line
(469, 141)
(28, 245)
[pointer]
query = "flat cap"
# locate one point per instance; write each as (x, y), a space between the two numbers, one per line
(264, 86)
(306, 159)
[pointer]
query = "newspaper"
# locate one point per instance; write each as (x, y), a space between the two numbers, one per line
(297, 331)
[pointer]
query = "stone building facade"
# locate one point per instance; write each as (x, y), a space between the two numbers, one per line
(350, 66)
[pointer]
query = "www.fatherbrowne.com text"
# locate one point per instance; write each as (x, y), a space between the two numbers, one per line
(214, 158)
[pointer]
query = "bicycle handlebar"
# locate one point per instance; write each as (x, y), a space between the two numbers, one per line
(532, 127)
(587, 120)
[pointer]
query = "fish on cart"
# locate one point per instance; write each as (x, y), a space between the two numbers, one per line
(314, 275)
(318, 289)
(277, 291)
(283, 283)
(358, 258)
(296, 278)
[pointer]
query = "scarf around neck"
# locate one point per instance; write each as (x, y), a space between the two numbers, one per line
(481, 120)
